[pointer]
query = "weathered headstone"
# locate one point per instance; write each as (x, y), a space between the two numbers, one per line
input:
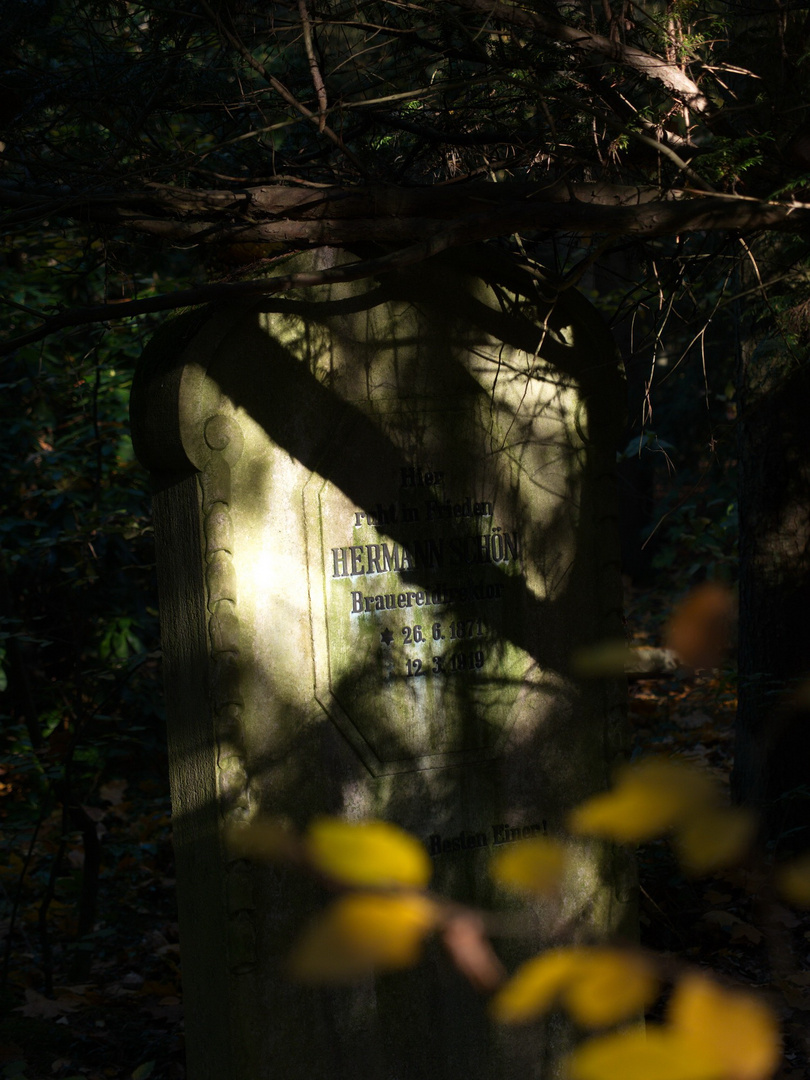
(385, 520)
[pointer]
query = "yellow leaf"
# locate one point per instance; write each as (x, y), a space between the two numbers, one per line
(714, 837)
(609, 985)
(367, 853)
(736, 1026)
(535, 987)
(598, 986)
(263, 838)
(534, 866)
(649, 799)
(628, 815)
(793, 881)
(657, 1054)
(362, 933)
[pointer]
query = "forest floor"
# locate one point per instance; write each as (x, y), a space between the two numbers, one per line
(114, 1009)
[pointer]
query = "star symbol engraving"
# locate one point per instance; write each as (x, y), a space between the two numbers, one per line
(386, 637)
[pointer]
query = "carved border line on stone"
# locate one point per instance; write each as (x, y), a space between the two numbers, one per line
(225, 440)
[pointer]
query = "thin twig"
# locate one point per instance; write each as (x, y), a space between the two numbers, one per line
(279, 87)
(315, 71)
(676, 81)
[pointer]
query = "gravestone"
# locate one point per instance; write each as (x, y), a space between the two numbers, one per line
(385, 520)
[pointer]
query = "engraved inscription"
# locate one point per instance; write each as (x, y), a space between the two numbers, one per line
(417, 585)
(466, 840)
(367, 560)
(454, 537)
(434, 663)
(441, 596)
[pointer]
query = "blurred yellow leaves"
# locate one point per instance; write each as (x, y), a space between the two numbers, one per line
(701, 624)
(649, 798)
(711, 1034)
(793, 881)
(714, 837)
(657, 795)
(735, 1026)
(533, 866)
(364, 854)
(654, 1054)
(597, 986)
(363, 933)
(697, 636)
(367, 854)
(535, 988)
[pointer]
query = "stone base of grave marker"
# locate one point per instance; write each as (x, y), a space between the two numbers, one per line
(385, 519)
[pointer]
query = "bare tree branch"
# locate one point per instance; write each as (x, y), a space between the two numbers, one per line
(397, 215)
(648, 219)
(317, 78)
(676, 81)
(241, 290)
(279, 87)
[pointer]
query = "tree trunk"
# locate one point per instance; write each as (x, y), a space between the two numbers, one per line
(772, 758)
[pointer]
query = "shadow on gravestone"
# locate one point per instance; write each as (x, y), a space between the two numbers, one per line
(385, 519)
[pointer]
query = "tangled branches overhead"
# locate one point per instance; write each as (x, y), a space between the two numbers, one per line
(339, 122)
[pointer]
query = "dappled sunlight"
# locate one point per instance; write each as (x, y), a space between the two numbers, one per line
(399, 498)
